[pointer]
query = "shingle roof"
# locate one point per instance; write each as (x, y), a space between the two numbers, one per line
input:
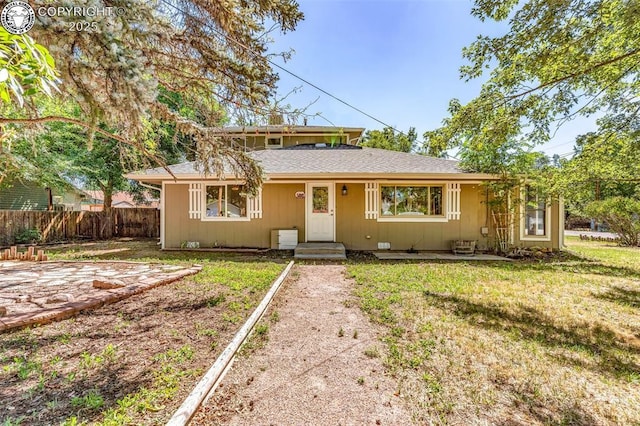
(365, 160)
(331, 161)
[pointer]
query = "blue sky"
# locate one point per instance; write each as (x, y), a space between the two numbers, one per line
(397, 60)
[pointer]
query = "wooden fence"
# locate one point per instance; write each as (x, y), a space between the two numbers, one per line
(60, 226)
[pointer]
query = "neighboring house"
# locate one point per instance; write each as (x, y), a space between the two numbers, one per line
(319, 182)
(119, 200)
(27, 195)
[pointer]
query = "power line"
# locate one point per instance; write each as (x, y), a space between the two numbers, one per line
(255, 54)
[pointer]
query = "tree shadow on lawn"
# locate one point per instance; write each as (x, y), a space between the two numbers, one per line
(611, 355)
(144, 250)
(108, 381)
(546, 415)
(575, 265)
(621, 295)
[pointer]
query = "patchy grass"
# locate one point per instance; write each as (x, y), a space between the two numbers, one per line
(132, 362)
(607, 252)
(512, 342)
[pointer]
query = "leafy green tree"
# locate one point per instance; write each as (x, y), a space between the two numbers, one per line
(212, 54)
(605, 165)
(26, 68)
(390, 139)
(558, 60)
(58, 156)
(622, 215)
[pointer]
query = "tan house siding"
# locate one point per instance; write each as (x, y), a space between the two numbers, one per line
(281, 210)
(259, 141)
(353, 229)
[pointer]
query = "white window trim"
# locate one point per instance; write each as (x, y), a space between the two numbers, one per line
(205, 218)
(547, 219)
(415, 219)
(267, 137)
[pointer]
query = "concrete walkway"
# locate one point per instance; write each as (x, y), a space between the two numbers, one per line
(41, 292)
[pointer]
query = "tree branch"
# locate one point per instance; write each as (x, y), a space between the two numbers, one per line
(575, 74)
(96, 129)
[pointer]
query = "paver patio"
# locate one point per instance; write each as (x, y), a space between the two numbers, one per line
(40, 292)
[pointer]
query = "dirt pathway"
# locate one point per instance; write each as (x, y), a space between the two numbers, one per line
(318, 367)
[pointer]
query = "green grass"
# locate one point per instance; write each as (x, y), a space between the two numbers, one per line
(90, 401)
(607, 252)
(62, 356)
(504, 341)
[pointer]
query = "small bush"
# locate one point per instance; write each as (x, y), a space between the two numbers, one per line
(622, 214)
(28, 236)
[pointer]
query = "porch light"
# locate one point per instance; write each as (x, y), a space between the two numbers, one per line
(344, 189)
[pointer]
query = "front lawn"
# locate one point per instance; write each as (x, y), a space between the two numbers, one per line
(513, 343)
(132, 362)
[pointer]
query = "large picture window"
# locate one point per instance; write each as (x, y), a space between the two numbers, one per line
(535, 213)
(410, 201)
(225, 201)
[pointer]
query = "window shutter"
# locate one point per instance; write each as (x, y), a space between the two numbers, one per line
(453, 201)
(255, 206)
(371, 200)
(195, 201)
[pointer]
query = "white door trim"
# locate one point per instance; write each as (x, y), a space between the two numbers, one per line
(308, 202)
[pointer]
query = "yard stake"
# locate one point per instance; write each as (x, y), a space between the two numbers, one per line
(208, 384)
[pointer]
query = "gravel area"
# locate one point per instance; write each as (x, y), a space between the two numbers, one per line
(321, 364)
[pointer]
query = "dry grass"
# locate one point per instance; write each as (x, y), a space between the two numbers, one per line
(513, 343)
(132, 362)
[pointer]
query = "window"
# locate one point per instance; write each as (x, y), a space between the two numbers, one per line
(273, 141)
(535, 213)
(408, 201)
(225, 201)
(320, 199)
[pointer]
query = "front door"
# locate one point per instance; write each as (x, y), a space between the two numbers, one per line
(320, 212)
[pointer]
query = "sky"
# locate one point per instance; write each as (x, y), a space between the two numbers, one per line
(396, 60)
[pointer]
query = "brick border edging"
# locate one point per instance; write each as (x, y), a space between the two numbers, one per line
(106, 297)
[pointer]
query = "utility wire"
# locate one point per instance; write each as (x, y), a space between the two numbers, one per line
(255, 54)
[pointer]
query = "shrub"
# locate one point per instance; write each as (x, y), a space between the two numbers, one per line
(28, 236)
(622, 214)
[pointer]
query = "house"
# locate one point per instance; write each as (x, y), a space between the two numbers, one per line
(322, 185)
(27, 195)
(119, 200)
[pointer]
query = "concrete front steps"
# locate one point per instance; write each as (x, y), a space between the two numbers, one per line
(334, 251)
